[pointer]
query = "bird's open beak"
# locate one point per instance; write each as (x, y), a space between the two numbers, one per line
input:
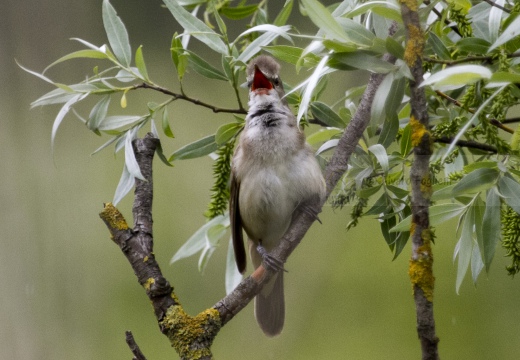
(260, 81)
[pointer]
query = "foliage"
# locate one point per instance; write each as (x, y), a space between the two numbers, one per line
(472, 65)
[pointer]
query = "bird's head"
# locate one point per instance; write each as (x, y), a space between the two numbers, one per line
(263, 76)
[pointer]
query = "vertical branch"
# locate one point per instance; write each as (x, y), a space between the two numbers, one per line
(420, 268)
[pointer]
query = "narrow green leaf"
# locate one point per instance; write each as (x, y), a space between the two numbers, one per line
(292, 55)
(56, 96)
(457, 76)
(166, 124)
(92, 54)
(118, 121)
(323, 135)
(139, 62)
(130, 161)
(495, 19)
(116, 33)
(438, 214)
(263, 40)
(46, 79)
(510, 190)
(395, 48)
(233, 276)
(324, 113)
(438, 47)
(196, 149)
(126, 183)
(380, 153)
(386, 225)
(406, 141)
(389, 131)
(479, 165)
(391, 9)
(239, 12)
(198, 240)
(378, 110)
(362, 60)
(213, 236)
(61, 115)
(476, 181)
(196, 27)
(464, 248)
(283, 15)
(505, 77)
(105, 145)
(204, 68)
(491, 226)
(472, 45)
(227, 131)
(381, 205)
(98, 113)
(323, 19)
(356, 33)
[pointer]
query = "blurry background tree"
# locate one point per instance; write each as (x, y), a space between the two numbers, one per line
(470, 54)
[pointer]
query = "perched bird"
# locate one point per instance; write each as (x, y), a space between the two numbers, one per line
(273, 172)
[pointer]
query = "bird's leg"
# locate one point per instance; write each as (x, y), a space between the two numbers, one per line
(269, 261)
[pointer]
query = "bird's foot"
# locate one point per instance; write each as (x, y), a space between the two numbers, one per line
(270, 261)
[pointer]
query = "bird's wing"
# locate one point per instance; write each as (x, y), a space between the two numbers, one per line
(236, 225)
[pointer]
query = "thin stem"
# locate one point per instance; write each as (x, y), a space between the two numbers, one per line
(183, 96)
(492, 3)
(493, 122)
(466, 59)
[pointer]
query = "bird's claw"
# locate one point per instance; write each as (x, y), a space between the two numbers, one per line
(312, 212)
(270, 261)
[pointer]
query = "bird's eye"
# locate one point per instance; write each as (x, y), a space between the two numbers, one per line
(276, 81)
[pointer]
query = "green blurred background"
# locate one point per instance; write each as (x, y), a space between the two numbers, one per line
(68, 293)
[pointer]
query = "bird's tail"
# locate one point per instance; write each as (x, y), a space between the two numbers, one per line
(270, 306)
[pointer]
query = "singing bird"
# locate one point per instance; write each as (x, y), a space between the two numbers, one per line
(273, 172)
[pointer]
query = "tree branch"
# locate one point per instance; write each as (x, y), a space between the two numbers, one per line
(467, 59)
(493, 122)
(467, 144)
(492, 3)
(178, 96)
(138, 355)
(190, 336)
(421, 262)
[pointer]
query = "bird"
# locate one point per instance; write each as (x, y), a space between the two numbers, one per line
(273, 172)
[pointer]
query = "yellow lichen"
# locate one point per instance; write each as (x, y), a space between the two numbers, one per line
(411, 4)
(113, 217)
(146, 258)
(421, 267)
(418, 131)
(148, 283)
(414, 45)
(184, 331)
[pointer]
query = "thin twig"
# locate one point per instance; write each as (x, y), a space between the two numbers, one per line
(466, 59)
(182, 96)
(492, 3)
(446, 21)
(493, 122)
(467, 144)
(138, 355)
